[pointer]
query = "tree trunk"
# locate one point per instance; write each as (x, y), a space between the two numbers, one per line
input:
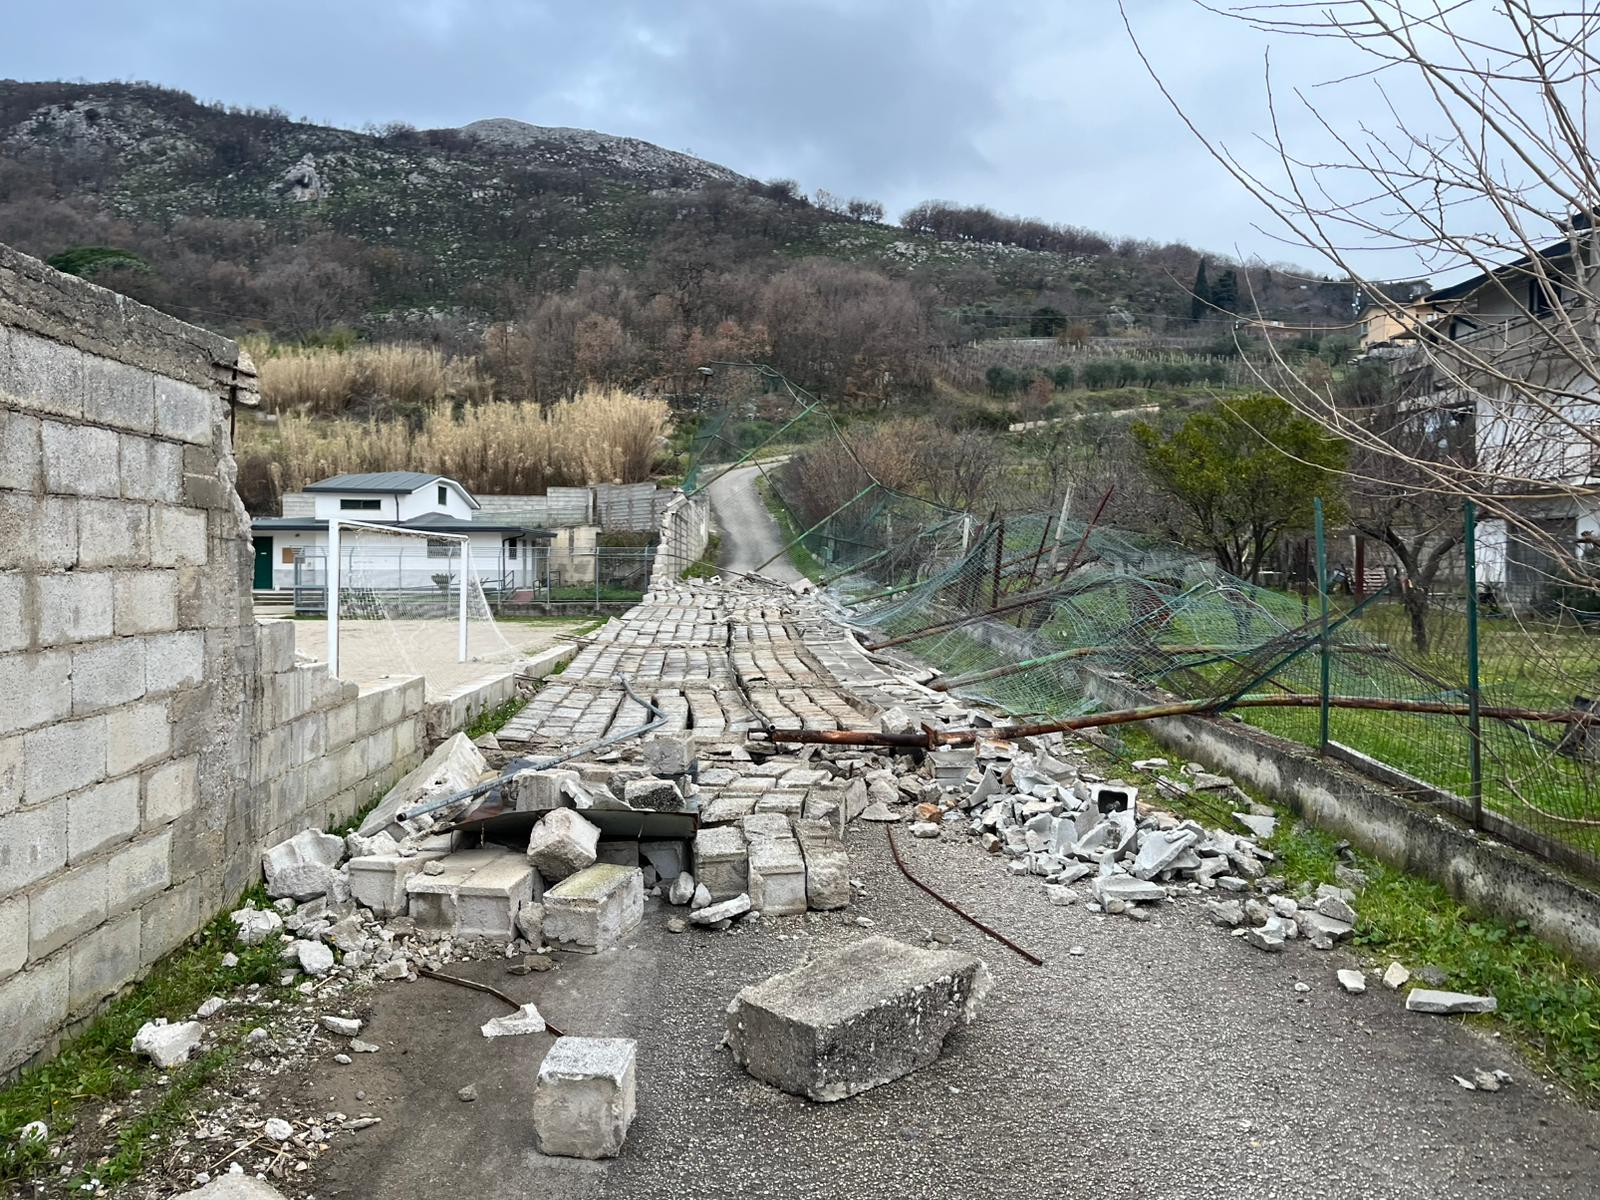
(1415, 600)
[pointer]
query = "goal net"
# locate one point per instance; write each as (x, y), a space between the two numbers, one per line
(408, 602)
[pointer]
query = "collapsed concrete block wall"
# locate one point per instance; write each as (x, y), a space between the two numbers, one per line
(685, 529)
(151, 742)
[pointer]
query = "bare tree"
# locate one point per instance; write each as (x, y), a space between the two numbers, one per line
(1482, 167)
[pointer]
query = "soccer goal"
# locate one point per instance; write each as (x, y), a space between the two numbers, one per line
(406, 601)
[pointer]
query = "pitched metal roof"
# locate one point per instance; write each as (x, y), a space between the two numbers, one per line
(437, 523)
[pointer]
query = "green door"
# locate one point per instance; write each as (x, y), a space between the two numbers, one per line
(263, 563)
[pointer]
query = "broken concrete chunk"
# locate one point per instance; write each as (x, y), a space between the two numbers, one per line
(879, 811)
(233, 1187)
(594, 909)
(343, 1026)
(1427, 1000)
(584, 1098)
(256, 925)
(167, 1045)
(1396, 976)
(723, 910)
(302, 867)
(476, 893)
(541, 791)
(1160, 851)
(314, 958)
(530, 923)
(358, 846)
(1354, 982)
(722, 861)
(852, 1020)
(1261, 827)
(1228, 913)
(777, 875)
(1126, 888)
(562, 843)
(924, 829)
(827, 864)
(378, 881)
(525, 1020)
(668, 754)
(682, 889)
(454, 766)
(656, 795)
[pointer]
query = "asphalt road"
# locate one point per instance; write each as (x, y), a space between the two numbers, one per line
(1168, 1060)
(749, 534)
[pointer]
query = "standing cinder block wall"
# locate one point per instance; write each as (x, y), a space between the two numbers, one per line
(684, 531)
(152, 742)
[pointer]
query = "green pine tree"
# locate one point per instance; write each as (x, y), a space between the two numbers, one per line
(1200, 302)
(1225, 292)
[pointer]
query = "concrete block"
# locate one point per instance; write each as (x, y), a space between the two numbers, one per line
(144, 602)
(11, 775)
(37, 688)
(584, 1099)
(79, 460)
(170, 791)
(20, 455)
(619, 852)
(102, 961)
(16, 621)
(477, 894)
(827, 864)
(302, 867)
(151, 470)
(63, 757)
(118, 394)
(170, 918)
(1427, 1000)
(378, 881)
(541, 791)
(657, 795)
(113, 533)
(45, 375)
(136, 735)
(777, 876)
(594, 909)
(100, 815)
(75, 607)
(107, 674)
(184, 412)
(72, 903)
(848, 1021)
(174, 660)
(670, 858)
(177, 537)
(455, 765)
(668, 754)
(722, 861)
(33, 1005)
(37, 535)
(13, 935)
(562, 843)
(135, 874)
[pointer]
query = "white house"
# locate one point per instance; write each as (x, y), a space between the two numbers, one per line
(291, 551)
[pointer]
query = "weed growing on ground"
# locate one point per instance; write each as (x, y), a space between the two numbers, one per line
(492, 720)
(706, 565)
(97, 1065)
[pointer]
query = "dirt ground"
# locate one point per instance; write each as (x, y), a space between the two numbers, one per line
(371, 651)
(1166, 1060)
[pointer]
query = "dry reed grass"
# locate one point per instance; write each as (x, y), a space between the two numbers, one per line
(366, 379)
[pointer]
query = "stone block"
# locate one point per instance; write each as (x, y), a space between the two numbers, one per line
(16, 621)
(177, 537)
(174, 660)
(668, 754)
(13, 934)
(144, 602)
(854, 1019)
(541, 791)
(302, 867)
(477, 894)
(74, 607)
(170, 918)
(827, 864)
(151, 470)
(46, 376)
(184, 412)
(593, 909)
(33, 1005)
(777, 876)
(118, 394)
(11, 774)
(107, 674)
(170, 791)
(137, 873)
(100, 815)
(20, 455)
(102, 961)
(37, 535)
(113, 533)
(378, 881)
(562, 843)
(37, 688)
(722, 861)
(79, 460)
(584, 1098)
(136, 735)
(63, 757)
(72, 903)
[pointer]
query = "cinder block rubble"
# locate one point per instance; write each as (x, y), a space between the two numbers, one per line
(594, 909)
(562, 843)
(477, 894)
(584, 1098)
(722, 861)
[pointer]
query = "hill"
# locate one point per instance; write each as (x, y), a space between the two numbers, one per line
(247, 219)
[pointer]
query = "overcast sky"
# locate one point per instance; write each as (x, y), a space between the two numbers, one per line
(1036, 108)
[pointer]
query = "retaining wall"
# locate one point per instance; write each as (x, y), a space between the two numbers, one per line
(1487, 875)
(684, 531)
(153, 738)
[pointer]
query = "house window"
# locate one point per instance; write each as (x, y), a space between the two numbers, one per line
(346, 504)
(1542, 296)
(511, 550)
(443, 498)
(288, 555)
(440, 548)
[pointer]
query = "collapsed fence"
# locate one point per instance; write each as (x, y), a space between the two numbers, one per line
(1485, 712)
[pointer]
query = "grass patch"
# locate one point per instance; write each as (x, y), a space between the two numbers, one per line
(807, 563)
(705, 566)
(97, 1065)
(492, 720)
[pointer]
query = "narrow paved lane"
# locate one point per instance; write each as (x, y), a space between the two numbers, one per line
(749, 534)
